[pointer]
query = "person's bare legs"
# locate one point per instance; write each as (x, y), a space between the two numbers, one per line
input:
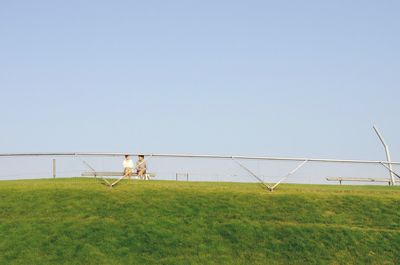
(141, 173)
(128, 173)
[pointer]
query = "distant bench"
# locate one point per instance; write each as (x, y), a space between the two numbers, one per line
(358, 179)
(147, 176)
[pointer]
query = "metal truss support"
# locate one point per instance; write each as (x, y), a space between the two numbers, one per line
(253, 174)
(289, 174)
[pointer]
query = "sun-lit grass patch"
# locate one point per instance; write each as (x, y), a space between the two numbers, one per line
(80, 221)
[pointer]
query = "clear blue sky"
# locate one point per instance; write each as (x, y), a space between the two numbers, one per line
(286, 78)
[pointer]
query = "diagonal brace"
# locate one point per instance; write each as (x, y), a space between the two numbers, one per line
(252, 173)
(94, 171)
(390, 169)
(289, 174)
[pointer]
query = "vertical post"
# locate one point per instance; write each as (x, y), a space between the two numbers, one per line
(176, 176)
(388, 157)
(187, 176)
(54, 168)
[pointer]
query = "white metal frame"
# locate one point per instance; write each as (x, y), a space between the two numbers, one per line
(387, 164)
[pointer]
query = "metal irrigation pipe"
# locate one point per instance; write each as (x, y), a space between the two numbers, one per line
(207, 156)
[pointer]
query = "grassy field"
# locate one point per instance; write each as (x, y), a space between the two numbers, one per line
(80, 221)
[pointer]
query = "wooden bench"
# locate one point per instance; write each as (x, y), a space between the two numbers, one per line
(111, 174)
(103, 174)
(358, 179)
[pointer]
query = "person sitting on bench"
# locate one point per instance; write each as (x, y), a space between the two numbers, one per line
(128, 167)
(141, 167)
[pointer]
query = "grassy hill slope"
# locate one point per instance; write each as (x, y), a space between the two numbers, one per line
(80, 221)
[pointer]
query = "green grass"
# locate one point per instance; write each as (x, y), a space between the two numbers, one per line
(80, 221)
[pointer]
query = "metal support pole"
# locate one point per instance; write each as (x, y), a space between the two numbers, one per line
(389, 159)
(182, 175)
(54, 168)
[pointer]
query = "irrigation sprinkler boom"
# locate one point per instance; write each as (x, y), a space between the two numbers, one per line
(237, 159)
(83, 154)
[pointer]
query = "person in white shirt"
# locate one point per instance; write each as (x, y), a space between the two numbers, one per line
(128, 167)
